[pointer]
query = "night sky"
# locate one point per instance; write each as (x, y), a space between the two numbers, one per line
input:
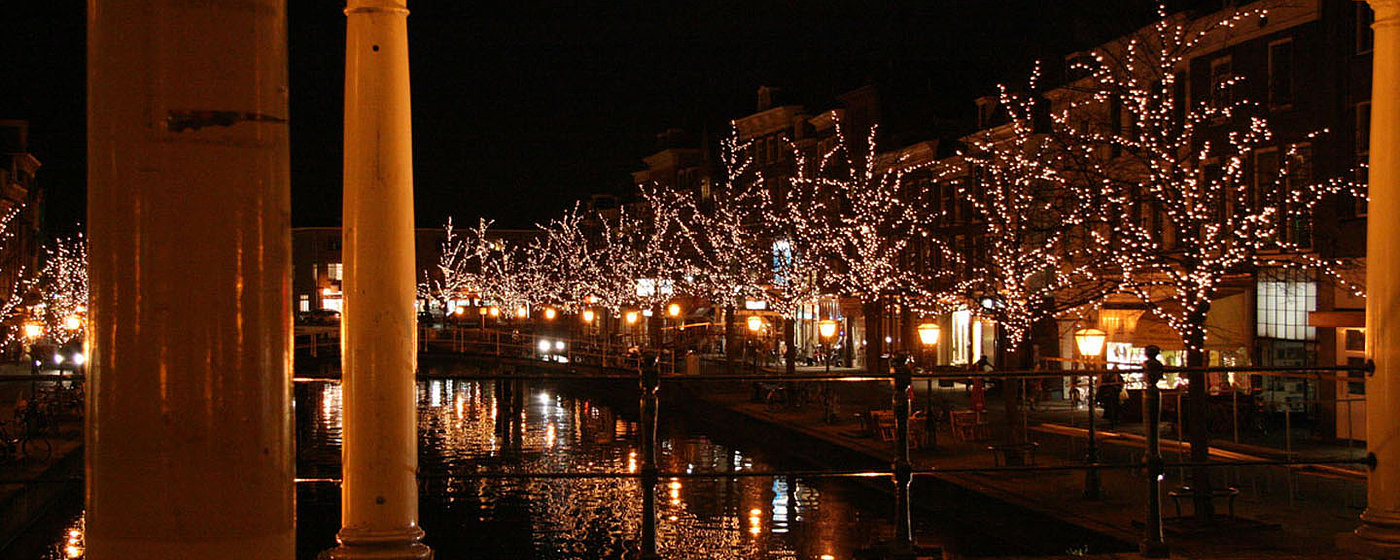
(521, 107)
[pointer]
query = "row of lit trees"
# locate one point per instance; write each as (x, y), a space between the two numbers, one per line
(1114, 185)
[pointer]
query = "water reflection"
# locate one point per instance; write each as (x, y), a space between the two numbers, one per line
(470, 427)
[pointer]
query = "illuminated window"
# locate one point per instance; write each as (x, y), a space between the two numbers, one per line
(331, 304)
(304, 303)
(962, 338)
(334, 271)
(1283, 300)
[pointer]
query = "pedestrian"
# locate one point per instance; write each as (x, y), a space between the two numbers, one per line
(1110, 397)
(978, 394)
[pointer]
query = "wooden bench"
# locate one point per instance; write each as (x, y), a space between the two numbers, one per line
(1187, 492)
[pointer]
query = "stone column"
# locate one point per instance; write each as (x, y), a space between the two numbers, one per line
(1380, 524)
(189, 433)
(379, 496)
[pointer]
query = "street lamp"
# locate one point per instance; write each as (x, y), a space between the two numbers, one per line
(827, 329)
(755, 325)
(550, 313)
(928, 336)
(631, 317)
(494, 312)
(674, 310)
(72, 322)
(522, 312)
(588, 315)
(1090, 343)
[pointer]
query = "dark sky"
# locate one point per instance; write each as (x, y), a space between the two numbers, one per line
(522, 107)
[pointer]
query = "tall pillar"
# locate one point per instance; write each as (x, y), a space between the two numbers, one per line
(1380, 523)
(189, 433)
(379, 497)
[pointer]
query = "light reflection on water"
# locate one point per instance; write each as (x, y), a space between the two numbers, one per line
(467, 427)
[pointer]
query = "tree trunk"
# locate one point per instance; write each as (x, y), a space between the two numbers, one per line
(1199, 433)
(1011, 393)
(790, 336)
(730, 350)
(874, 338)
(654, 330)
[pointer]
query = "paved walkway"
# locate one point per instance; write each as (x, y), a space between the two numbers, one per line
(1281, 512)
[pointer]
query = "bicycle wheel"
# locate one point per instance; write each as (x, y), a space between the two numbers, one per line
(36, 450)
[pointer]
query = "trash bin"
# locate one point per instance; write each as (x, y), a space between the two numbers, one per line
(692, 364)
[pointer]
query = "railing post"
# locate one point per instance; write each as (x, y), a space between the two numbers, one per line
(903, 469)
(1152, 545)
(1092, 487)
(650, 383)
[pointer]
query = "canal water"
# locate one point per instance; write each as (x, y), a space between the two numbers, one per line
(470, 427)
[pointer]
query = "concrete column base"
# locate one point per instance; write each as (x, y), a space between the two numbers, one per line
(1366, 546)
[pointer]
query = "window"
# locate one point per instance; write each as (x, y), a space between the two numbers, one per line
(1265, 178)
(1281, 74)
(1365, 36)
(334, 271)
(304, 303)
(1221, 77)
(1354, 349)
(1297, 219)
(1283, 300)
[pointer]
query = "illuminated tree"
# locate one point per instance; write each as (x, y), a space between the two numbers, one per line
(569, 267)
(1180, 211)
(63, 286)
(851, 208)
(502, 273)
(726, 262)
(451, 278)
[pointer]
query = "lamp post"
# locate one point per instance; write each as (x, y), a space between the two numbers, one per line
(1090, 343)
(755, 325)
(928, 337)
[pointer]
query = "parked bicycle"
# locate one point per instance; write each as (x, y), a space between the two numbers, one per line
(26, 447)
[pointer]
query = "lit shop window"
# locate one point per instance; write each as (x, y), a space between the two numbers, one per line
(1283, 301)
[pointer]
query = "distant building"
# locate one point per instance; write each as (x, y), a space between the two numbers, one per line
(19, 193)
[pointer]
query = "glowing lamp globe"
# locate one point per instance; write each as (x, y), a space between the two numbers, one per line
(631, 317)
(522, 312)
(755, 323)
(550, 313)
(1090, 341)
(826, 328)
(928, 333)
(588, 316)
(482, 310)
(674, 310)
(494, 311)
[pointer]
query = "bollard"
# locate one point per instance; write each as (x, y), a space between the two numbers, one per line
(1152, 544)
(649, 384)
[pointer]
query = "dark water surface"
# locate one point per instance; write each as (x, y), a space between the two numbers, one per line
(467, 426)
